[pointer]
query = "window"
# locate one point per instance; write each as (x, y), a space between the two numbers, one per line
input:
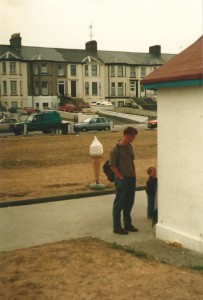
(132, 85)
(101, 120)
(113, 92)
(120, 88)
(86, 70)
(61, 70)
(3, 67)
(94, 88)
(35, 69)
(45, 105)
(13, 87)
(94, 70)
(44, 88)
(38, 118)
(36, 88)
(86, 88)
(132, 71)
(4, 88)
(21, 91)
(112, 71)
(73, 70)
(143, 71)
(14, 104)
(12, 68)
(44, 69)
(120, 71)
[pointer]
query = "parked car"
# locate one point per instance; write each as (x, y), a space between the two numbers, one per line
(47, 122)
(5, 124)
(97, 123)
(69, 107)
(30, 110)
(134, 105)
(152, 124)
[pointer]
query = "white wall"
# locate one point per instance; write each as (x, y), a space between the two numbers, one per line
(180, 166)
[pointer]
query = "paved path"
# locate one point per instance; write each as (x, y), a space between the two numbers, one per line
(29, 225)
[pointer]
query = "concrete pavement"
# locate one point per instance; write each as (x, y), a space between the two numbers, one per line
(31, 225)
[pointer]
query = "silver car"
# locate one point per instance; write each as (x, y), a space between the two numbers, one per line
(98, 123)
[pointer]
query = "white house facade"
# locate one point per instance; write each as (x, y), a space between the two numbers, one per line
(37, 76)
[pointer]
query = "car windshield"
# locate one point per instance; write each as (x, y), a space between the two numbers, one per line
(30, 118)
(86, 120)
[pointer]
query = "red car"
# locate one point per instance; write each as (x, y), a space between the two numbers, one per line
(152, 124)
(30, 110)
(69, 107)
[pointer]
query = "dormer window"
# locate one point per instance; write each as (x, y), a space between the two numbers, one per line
(86, 70)
(35, 69)
(44, 69)
(61, 70)
(112, 71)
(94, 70)
(120, 71)
(73, 70)
(143, 71)
(12, 67)
(3, 67)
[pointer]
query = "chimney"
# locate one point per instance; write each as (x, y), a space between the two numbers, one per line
(155, 50)
(15, 40)
(91, 46)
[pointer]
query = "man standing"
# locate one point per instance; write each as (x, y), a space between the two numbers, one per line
(122, 165)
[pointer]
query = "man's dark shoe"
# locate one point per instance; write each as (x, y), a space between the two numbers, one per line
(120, 231)
(131, 228)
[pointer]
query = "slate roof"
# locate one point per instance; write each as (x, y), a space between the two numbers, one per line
(187, 65)
(28, 53)
(131, 58)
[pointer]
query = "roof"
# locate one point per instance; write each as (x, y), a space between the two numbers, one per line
(185, 68)
(28, 53)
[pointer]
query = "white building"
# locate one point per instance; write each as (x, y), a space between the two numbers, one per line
(180, 147)
(36, 76)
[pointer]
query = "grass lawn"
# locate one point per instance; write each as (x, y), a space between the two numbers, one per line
(44, 165)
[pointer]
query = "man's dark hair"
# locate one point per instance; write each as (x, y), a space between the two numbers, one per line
(130, 130)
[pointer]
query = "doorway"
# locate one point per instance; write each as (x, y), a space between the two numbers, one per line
(73, 88)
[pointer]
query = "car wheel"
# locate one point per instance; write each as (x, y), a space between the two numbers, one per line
(17, 132)
(53, 130)
(22, 132)
(107, 128)
(84, 129)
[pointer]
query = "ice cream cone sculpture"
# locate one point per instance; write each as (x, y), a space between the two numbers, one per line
(96, 152)
(96, 161)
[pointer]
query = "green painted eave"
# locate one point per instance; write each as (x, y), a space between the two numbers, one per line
(156, 86)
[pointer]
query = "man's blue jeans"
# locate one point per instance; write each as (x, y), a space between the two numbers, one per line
(125, 194)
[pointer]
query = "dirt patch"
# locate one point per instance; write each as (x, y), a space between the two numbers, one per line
(90, 269)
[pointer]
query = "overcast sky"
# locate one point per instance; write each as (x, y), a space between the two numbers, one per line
(119, 25)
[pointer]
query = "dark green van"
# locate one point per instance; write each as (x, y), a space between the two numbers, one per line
(46, 122)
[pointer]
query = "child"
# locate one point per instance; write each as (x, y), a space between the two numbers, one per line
(151, 190)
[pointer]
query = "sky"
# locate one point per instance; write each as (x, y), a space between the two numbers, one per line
(117, 25)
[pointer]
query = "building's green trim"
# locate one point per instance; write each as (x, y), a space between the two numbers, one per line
(155, 86)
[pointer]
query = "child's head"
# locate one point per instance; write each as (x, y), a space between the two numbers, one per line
(151, 171)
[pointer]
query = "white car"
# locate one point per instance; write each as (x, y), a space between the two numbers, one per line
(5, 124)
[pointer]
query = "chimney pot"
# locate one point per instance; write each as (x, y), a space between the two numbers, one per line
(15, 40)
(155, 50)
(91, 46)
